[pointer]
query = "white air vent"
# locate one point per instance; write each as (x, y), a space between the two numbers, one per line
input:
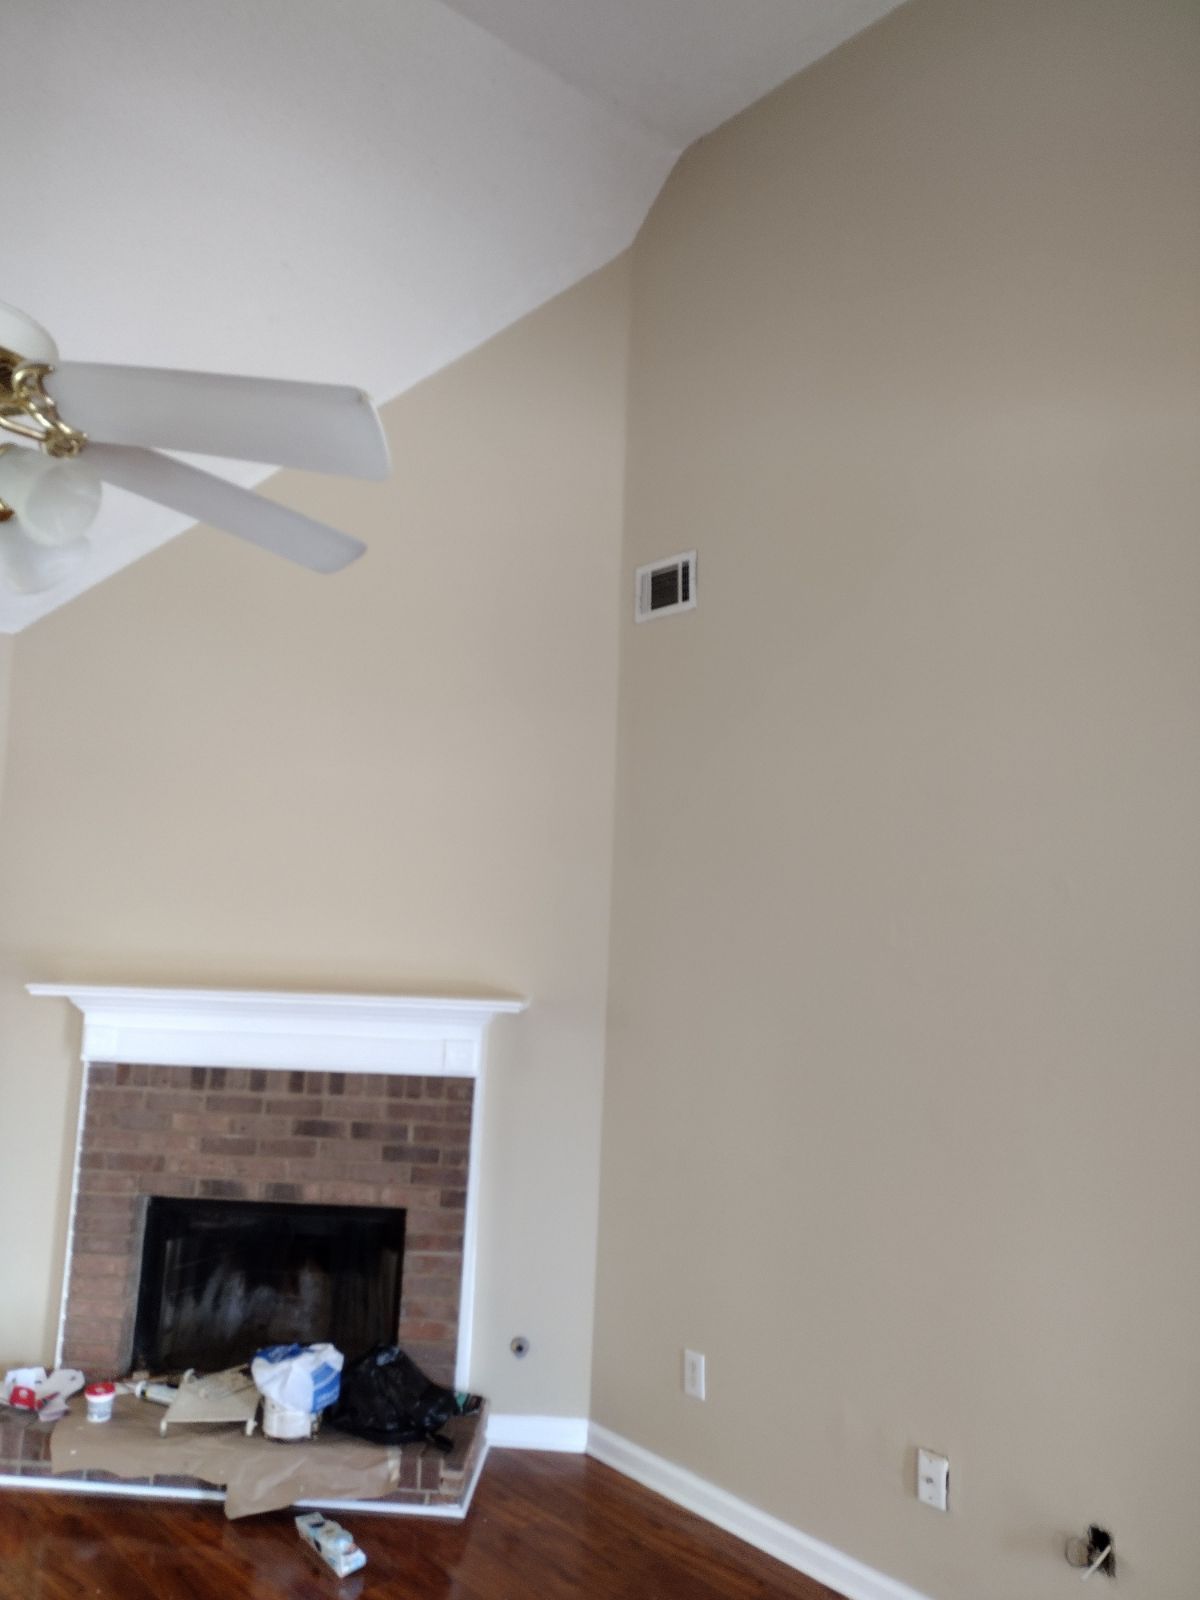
(664, 587)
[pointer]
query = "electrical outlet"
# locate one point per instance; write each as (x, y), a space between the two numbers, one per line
(693, 1374)
(933, 1480)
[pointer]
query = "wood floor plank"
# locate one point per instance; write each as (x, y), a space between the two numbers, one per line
(544, 1526)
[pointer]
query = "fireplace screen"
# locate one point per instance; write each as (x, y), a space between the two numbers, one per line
(220, 1278)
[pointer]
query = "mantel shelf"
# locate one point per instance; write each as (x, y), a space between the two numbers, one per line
(281, 1030)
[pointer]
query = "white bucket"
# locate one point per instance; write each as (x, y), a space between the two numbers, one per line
(282, 1422)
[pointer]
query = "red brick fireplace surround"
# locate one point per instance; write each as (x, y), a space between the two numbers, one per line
(248, 1134)
(314, 1099)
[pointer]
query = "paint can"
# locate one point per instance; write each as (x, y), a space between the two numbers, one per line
(100, 1397)
(284, 1422)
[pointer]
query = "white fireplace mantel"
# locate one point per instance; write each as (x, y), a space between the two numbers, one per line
(278, 1030)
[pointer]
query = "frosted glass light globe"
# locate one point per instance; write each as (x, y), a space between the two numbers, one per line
(24, 337)
(32, 568)
(56, 501)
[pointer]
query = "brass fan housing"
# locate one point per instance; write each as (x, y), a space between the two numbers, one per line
(28, 411)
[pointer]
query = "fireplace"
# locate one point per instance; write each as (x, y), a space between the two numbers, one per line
(307, 1141)
(313, 1100)
(221, 1278)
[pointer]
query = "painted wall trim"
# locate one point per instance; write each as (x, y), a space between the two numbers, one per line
(278, 1031)
(514, 1431)
(80, 1123)
(815, 1559)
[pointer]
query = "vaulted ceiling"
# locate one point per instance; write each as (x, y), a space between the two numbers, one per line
(358, 192)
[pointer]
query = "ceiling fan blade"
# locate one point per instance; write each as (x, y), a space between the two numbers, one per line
(321, 427)
(239, 511)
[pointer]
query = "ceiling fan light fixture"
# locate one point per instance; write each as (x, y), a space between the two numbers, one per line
(55, 500)
(32, 568)
(21, 336)
(125, 417)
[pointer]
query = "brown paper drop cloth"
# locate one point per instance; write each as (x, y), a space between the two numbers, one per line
(257, 1474)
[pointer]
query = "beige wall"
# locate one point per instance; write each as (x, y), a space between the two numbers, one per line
(901, 1093)
(7, 652)
(223, 770)
(902, 1097)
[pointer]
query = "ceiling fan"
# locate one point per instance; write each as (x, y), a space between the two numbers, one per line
(82, 424)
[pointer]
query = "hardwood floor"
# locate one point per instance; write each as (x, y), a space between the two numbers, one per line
(543, 1527)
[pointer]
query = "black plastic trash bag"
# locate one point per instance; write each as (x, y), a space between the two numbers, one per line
(385, 1397)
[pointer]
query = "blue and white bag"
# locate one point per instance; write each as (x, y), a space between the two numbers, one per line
(299, 1377)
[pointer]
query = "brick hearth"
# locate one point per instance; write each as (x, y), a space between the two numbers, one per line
(237, 1133)
(426, 1476)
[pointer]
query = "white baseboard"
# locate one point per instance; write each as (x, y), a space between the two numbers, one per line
(513, 1431)
(816, 1560)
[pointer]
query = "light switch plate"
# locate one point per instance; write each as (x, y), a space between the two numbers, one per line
(933, 1480)
(693, 1374)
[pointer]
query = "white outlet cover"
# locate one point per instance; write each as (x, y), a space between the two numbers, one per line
(933, 1480)
(693, 1374)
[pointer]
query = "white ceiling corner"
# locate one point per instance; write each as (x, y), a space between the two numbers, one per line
(357, 193)
(679, 68)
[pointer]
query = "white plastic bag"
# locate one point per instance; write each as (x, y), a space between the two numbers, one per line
(299, 1377)
(24, 1378)
(52, 1392)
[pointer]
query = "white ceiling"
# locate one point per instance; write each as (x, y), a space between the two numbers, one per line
(357, 193)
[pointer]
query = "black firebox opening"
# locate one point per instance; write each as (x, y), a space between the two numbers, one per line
(221, 1278)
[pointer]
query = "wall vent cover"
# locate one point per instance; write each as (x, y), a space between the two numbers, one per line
(664, 587)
